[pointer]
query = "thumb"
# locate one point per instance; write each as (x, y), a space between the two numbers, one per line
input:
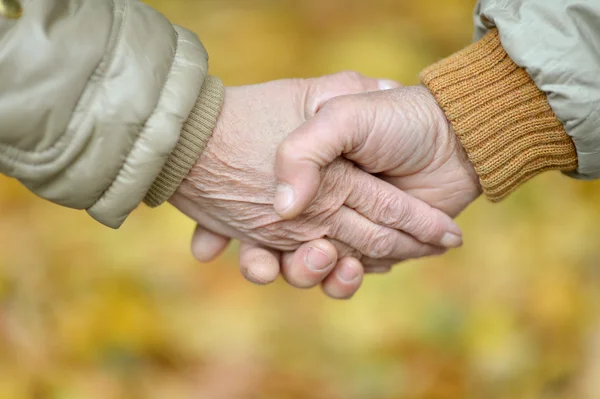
(341, 126)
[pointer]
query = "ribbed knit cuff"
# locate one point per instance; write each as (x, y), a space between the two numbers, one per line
(195, 134)
(502, 119)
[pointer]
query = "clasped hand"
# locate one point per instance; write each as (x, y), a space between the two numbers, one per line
(324, 179)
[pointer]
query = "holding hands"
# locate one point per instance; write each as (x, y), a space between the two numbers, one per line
(321, 179)
(404, 172)
(401, 135)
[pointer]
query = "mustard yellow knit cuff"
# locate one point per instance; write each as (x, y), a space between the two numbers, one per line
(195, 134)
(502, 119)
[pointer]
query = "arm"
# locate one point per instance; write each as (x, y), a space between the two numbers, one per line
(104, 104)
(521, 100)
(529, 89)
(363, 217)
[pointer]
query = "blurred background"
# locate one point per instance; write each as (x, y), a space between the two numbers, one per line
(90, 313)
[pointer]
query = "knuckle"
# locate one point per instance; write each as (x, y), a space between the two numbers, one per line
(323, 210)
(427, 228)
(398, 213)
(335, 179)
(352, 77)
(381, 245)
(319, 206)
(392, 211)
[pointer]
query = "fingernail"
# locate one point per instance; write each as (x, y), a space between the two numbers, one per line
(451, 240)
(348, 273)
(385, 84)
(284, 198)
(317, 259)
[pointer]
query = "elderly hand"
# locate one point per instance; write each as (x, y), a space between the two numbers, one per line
(230, 191)
(401, 135)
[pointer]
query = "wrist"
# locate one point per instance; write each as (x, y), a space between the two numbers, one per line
(449, 150)
(467, 166)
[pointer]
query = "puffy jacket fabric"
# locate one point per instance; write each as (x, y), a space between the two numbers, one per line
(94, 96)
(558, 44)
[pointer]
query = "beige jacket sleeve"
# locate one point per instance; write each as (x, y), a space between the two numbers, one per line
(103, 103)
(525, 97)
(558, 43)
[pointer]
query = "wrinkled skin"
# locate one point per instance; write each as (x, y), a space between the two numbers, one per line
(443, 176)
(400, 135)
(230, 192)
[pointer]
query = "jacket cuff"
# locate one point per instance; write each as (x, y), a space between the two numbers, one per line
(502, 119)
(195, 134)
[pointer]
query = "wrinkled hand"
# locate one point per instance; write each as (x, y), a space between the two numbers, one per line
(401, 135)
(230, 192)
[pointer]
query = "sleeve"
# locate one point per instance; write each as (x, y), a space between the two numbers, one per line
(525, 97)
(104, 103)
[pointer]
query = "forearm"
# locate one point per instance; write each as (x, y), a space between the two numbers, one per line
(94, 117)
(502, 119)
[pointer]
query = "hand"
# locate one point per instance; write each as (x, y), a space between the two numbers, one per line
(401, 135)
(261, 265)
(230, 190)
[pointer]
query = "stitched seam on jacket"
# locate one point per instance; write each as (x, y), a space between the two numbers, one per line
(107, 59)
(143, 127)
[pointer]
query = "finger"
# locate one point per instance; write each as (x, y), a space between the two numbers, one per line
(308, 149)
(369, 265)
(372, 265)
(378, 269)
(345, 280)
(339, 129)
(386, 205)
(206, 245)
(387, 84)
(375, 241)
(324, 88)
(258, 264)
(310, 264)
